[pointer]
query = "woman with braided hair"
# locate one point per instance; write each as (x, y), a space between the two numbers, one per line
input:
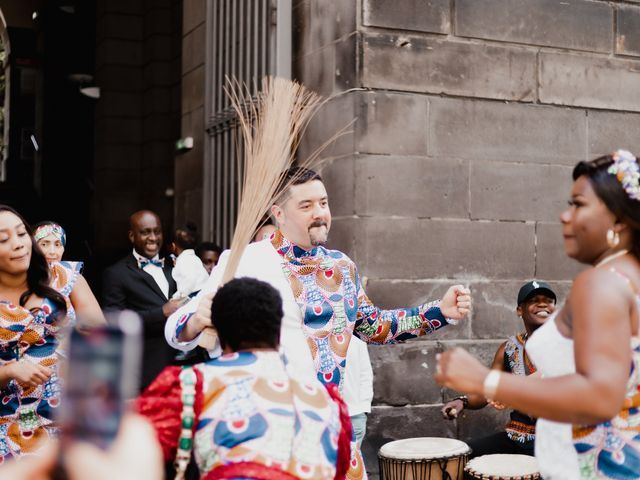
(589, 351)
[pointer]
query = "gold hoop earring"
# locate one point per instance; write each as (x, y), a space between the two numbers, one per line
(613, 238)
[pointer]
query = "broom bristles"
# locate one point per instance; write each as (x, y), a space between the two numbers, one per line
(271, 125)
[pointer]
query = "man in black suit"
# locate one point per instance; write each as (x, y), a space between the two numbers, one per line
(142, 282)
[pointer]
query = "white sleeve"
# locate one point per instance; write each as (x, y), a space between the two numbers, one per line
(176, 321)
(366, 376)
(189, 274)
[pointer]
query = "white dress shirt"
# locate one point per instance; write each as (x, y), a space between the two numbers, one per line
(189, 274)
(358, 378)
(155, 271)
(260, 261)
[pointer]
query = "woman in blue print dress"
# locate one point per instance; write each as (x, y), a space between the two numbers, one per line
(32, 314)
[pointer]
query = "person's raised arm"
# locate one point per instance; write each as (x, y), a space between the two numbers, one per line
(599, 304)
(376, 325)
(185, 325)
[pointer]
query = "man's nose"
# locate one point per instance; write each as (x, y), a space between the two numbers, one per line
(318, 211)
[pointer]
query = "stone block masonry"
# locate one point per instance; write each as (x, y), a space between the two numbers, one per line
(470, 115)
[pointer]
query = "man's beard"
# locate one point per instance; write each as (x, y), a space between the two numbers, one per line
(318, 236)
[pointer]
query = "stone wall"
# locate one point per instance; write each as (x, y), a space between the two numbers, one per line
(469, 115)
(138, 57)
(189, 166)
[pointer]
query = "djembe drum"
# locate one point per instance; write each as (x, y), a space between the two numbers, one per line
(425, 458)
(502, 467)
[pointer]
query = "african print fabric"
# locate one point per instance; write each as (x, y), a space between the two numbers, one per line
(334, 307)
(254, 412)
(328, 290)
(27, 414)
(521, 427)
(612, 449)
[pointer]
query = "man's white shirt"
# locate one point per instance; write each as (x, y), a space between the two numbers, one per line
(260, 261)
(155, 271)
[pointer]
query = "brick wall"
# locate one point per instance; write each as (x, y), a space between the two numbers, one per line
(469, 116)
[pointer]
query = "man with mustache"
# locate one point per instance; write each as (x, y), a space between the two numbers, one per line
(142, 282)
(536, 303)
(323, 298)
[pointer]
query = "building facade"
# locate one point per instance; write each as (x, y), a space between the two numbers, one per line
(466, 119)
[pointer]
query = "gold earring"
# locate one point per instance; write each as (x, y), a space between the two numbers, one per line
(613, 238)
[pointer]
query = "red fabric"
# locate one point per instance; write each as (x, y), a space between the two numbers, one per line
(199, 401)
(161, 403)
(253, 470)
(346, 433)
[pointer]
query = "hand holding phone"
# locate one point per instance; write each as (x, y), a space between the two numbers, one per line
(134, 455)
(102, 374)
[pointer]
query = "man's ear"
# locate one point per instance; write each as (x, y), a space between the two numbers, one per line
(519, 311)
(130, 235)
(277, 213)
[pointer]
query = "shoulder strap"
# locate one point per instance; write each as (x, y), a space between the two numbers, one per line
(192, 395)
(627, 280)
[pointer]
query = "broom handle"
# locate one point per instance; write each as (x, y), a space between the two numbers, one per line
(208, 338)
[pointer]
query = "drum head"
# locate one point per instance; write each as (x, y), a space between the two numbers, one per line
(423, 448)
(503, 465)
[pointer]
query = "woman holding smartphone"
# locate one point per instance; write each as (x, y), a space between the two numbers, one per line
(32, 315)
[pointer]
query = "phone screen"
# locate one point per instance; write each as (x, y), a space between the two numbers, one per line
(102, 375)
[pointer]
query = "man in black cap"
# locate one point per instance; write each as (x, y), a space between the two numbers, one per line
(536, 303)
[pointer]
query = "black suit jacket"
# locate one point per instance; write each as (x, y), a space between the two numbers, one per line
(127, 287)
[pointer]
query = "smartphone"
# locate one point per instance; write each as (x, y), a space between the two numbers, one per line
(101, 376)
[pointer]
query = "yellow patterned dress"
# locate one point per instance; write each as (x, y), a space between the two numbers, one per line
(27, 414)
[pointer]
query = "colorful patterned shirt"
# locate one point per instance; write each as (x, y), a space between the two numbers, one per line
(328, 290)
(254, 412)
(521, 427)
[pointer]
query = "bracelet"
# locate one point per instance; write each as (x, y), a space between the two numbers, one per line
(464, 399)
(490, 385)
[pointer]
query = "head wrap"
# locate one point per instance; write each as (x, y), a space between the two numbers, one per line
(626, 170)
(51, 229)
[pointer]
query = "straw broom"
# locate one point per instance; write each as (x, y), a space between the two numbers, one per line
(271, 125)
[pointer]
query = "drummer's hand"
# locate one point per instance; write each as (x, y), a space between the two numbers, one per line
(497, 405)
(459, 370)
(456, 303)
(452, 409)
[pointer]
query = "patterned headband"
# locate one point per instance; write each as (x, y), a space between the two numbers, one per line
(49, 229)
(625, 168)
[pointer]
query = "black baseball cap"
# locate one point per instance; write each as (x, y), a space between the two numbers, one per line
(533, 287)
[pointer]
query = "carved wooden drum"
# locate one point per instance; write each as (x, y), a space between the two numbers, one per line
(425, 458)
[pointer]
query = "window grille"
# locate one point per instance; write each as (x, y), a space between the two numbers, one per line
(246, 40)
